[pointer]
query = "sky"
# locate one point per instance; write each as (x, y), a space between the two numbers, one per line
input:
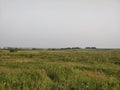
(60, 23)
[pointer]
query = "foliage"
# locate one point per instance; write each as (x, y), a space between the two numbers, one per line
(13, 49)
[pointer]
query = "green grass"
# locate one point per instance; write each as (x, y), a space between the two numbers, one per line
(60, 70)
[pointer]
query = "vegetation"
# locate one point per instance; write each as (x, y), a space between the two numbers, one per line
(13, 49)
(90, 47)
(60, 70)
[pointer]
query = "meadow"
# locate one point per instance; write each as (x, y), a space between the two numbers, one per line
(60, 70)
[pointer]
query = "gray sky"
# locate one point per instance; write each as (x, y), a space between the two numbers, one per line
(60, 23)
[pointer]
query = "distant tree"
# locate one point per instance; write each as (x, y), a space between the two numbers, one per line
(13, 49)
(87, 48)
(90, 48)
(34, 48)
(68, 48)
(93, 47)
(76, 48)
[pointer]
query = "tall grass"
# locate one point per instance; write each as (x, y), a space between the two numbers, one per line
(60, 70)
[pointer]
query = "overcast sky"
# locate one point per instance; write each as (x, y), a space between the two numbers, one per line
(60, 23)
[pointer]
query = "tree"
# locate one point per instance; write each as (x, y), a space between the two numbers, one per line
(13, 49)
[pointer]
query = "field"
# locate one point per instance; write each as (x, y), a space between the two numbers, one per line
(60, 70)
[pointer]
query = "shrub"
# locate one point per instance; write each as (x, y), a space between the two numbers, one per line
(13, 50)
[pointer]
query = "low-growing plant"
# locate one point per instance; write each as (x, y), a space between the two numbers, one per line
(60, 70)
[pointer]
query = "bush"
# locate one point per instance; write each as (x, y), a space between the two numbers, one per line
(13, 50)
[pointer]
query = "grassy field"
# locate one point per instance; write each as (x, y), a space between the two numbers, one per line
(60, 70)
